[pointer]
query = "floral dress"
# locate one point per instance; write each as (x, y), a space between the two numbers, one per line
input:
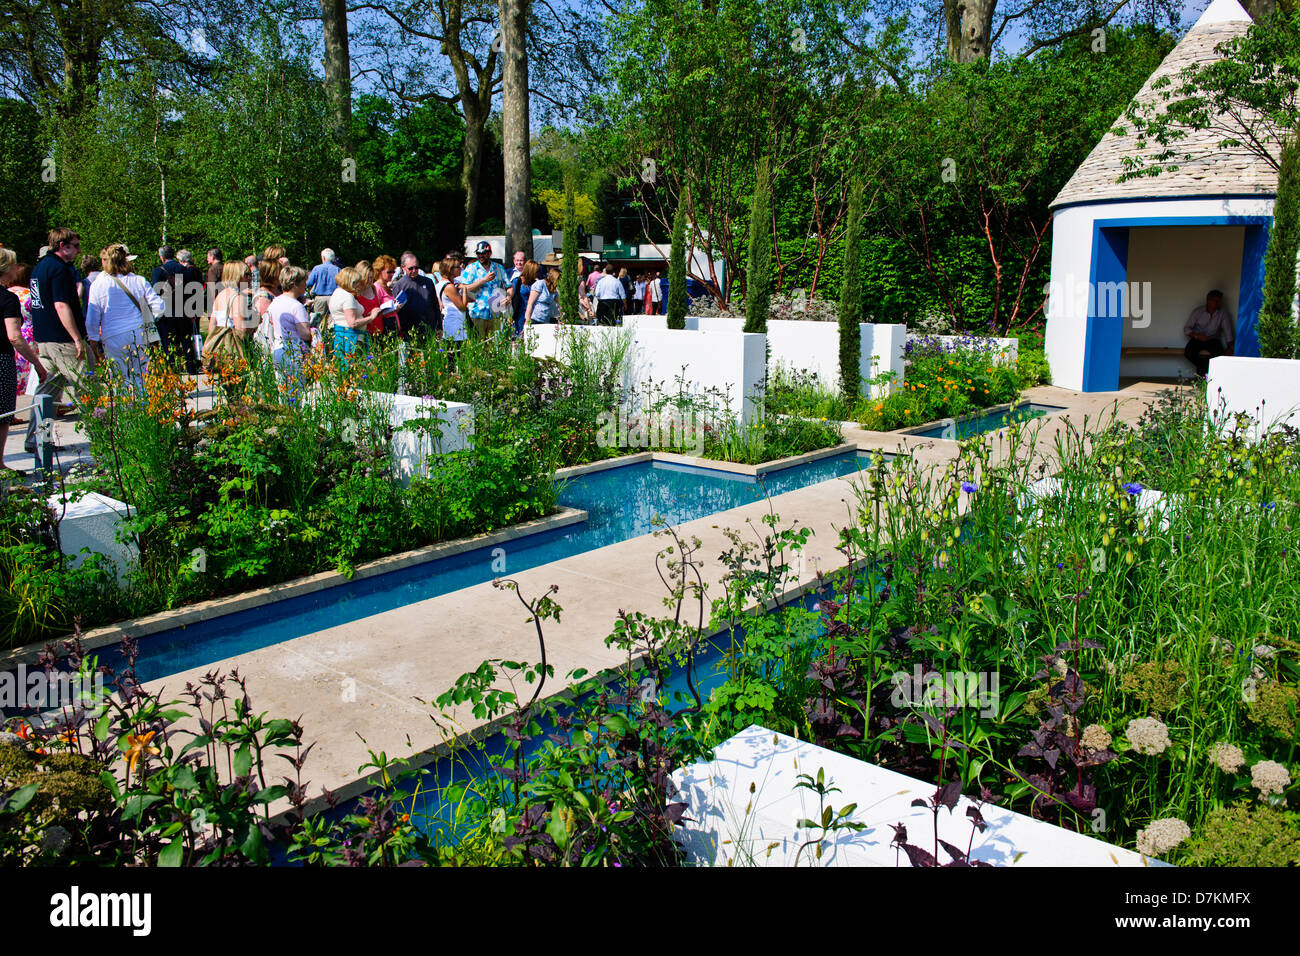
(24, 366)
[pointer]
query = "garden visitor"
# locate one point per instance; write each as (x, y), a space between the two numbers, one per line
(371, 296)
(87, 268)
(421, 310)
(629, 291)
(57, 321)
(122, 313)
(609, 298)
(347, 317)
(385, 267)
(654, 295)
(11, 316)
(452, 302)
(192, 274)
(251, 262)
(542, 297)
(586, 311)
(277, 252)
(215, 267)
(518, 290)
(290, 322)
(1209, 332)
(18, 281)
(268, 287)
(177, 330)
(321, 281)
(480, 281)
(638, 295)
(229, 325)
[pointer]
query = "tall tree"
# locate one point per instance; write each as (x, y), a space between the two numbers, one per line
(515, 132)
(1277, 324)
(758, 277)
(338, 69)
(851, 297)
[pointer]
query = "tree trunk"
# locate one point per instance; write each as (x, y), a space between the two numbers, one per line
(514, 115)
(969, 28)
(338, 69)
(472, 159)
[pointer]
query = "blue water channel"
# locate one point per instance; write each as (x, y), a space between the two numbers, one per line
(988, 422)
(431, 807)
(620, 502)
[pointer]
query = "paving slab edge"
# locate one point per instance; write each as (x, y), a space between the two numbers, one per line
(273, 594)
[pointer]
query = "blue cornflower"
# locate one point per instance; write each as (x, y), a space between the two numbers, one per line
(967, 487)
(1271, 505)
(1133, 488)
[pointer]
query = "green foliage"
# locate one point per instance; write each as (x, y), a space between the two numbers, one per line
(851, 298)
(1278, 337)
(677, 305)
(22, 169)
(758, 277)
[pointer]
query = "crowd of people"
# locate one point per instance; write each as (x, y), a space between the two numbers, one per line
(74, 310)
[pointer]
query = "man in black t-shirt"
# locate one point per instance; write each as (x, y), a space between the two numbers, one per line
(57, 320)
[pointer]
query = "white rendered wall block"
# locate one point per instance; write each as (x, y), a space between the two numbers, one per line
(730, 362)
(93, 523)
(413, 446)
(1267, 390)
(730, 824)
(815, 347)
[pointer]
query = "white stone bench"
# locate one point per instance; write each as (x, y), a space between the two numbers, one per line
(727, 824)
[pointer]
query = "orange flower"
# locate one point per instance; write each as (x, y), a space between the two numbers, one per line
(138, 745)
(24, 730)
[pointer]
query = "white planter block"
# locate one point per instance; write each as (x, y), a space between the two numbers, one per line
(411, 448)
(815, 347)
(1268, 390)
(730, 362)
(93, 523)
(726, 823)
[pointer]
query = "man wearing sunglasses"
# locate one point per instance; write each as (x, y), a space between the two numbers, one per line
(57, 321)
(421, 309)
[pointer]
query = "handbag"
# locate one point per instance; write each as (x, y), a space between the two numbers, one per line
(151, 335)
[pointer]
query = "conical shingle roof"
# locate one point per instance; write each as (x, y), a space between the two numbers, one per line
(1211, 169)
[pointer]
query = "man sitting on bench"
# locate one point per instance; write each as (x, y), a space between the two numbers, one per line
(1209, 332)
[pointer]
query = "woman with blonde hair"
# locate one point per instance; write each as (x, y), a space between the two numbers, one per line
(229, 325)
(452, 301)
(371, 296)
(122, 310)
(11, 316)
(385, 267)
(347, 317)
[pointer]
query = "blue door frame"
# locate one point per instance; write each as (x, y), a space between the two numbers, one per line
(1110, 241)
